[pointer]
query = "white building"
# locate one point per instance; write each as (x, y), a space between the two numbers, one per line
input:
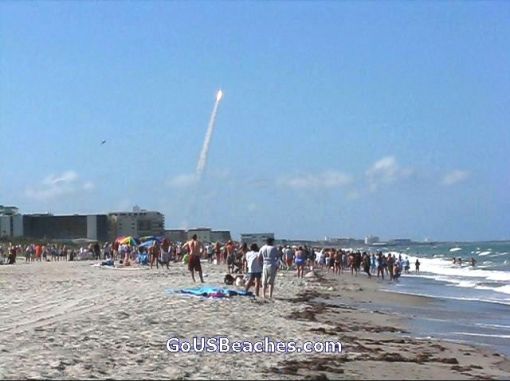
(8, 210)
(370, 240)
(11, 222)
(138, 223)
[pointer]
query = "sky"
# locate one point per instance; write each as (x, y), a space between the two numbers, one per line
(339, 119)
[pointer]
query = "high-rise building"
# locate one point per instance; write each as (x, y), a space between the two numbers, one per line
(138, 223)
(48, 226)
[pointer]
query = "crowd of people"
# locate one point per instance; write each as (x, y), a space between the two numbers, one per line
(339, 260)
(38, 252)
(257, 266)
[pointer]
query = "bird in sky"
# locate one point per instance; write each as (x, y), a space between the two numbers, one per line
(103, 142)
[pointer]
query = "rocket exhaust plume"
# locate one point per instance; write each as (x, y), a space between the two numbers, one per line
(202, 160)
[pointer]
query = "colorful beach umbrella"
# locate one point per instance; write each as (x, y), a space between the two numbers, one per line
(150, 238)
(148, 243)
(127, 241)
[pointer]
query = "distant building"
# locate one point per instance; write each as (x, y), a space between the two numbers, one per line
(203, 234)
(370, 240)
(400, 241)
(8, 210)
(138, 223)
(11, 223)
(11, 226)
(258, 238)
(48, 226)
(176, 235)
(220, 236)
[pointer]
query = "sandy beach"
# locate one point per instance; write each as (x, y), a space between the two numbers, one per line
(64, 320)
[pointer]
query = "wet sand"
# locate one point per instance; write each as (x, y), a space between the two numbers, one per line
(71, 320)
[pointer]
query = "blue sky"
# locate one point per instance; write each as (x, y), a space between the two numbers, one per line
(339, 119)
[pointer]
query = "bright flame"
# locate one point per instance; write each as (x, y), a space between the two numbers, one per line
(219, 95)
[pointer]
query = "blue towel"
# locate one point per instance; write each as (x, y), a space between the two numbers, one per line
(209, 291)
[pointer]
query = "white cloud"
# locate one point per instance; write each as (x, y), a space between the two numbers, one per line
(326, 179)
(455, 177)
(182, 181)
(53, 186)
(386, 171)
(64, 178)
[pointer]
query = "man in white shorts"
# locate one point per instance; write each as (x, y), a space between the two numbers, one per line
(270, 255)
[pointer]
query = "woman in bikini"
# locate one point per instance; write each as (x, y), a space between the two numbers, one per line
(300, 262)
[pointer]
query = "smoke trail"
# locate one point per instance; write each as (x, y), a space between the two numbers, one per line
(202, 160)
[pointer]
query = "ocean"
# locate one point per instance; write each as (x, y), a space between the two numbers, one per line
(471, 304)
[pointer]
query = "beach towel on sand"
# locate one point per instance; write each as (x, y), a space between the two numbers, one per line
(211, 292)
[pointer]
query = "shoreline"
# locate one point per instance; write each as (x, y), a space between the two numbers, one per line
(72, 320)
(432, 358)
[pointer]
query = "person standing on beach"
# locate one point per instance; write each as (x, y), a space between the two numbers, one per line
(254, 262)
(417, 265)
(97, 251)
(155, 251)
(366, 264)
(115, 249)
(407, 265)
(12, 254)
(373, 264)
(300, 262)
(217, 252)
(230, 252)
(165, 253)
(195, 249)
(29, 253)
(390, 262)
(210, 250)
(338, 261)
(381, 264)
(241, 257)
(289, 256)
(270, 255)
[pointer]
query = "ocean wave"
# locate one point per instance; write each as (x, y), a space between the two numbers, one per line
(486, 325)
(466, 283)
(481, 334)
(505, 302)
(499, 254)
(445, 268)
(504, 289)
